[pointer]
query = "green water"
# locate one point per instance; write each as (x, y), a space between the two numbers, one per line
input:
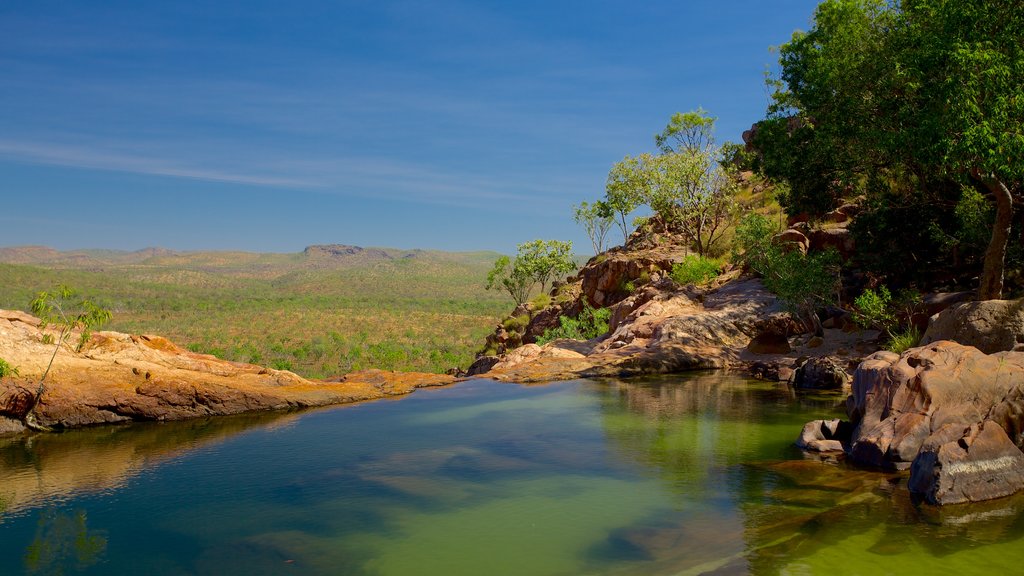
(683, 475)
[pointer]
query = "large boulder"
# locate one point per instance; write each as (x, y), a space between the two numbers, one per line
(950, 413)
(838, 239)
(822, 373)
(989, 325)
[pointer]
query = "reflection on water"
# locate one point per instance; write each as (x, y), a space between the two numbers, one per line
(63, 542)
(683, 475)
(42, 468)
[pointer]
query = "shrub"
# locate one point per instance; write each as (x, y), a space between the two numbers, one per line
(802, 282)
(874, 309)
(904, 340)
(6, 369)
(695, 270)
(591, 323)
(540, 302)
(516, 323)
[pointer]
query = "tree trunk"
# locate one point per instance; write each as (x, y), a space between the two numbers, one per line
(991, 287)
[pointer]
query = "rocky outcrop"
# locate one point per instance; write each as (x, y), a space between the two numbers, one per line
(950, 413)
(606, 276)
(121, 377)
(658, 330)
(990, 325)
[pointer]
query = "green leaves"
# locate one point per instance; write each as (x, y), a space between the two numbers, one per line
(597, 219)
(6, 369)
(536, 262)
(590, 323)
(802, 282)
(62, 308)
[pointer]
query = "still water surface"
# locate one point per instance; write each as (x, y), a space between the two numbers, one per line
(685, 475)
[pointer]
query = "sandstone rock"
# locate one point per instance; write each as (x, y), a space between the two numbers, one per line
(671, 332)
(838, 238)
(121, 377)
(824, 435)
(981, 465)
(837, 216)
(947, 411)
(768, 343)
(482, 365)
(990, 326)
(820, 374)
(792, 239)
(604, 278)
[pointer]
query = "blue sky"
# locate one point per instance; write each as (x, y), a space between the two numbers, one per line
(269, 126)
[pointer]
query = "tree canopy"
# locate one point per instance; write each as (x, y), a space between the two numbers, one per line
(913, 104)
(536, 262)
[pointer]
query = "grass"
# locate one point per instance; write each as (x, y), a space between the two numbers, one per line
(315, 314)
(695, 269)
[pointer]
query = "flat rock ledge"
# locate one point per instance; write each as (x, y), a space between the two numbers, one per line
(122, 377)
(951, 414)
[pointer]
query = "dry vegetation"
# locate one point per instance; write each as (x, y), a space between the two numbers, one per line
(316, 313)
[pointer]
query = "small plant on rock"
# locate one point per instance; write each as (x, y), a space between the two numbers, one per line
(6, 369)
(63, 309)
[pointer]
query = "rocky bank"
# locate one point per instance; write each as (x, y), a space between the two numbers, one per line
(950, 413)
(123, 377)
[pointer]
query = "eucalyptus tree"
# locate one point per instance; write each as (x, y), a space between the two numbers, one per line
(597, 219)
(536, 262)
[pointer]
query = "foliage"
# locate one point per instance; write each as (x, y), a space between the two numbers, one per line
(904, 340)
(597, 219)
(883, 311)
(62, 542)
(874, 310)
(591, 323)
(540, 301)
(625, 190)
(415, 311)
(536, 262)
(64, 309)
(515, 280)
(6, 369)
(516, 323)
(803, 283)
(913, 99)
(687, 185)
(695, 269)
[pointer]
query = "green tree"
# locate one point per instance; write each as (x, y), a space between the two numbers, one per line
(597, 220)
(804, 283)
(625, 190)
(62, 308)
(536, 262)
(512, 278)
(687, 185)
(908, 103)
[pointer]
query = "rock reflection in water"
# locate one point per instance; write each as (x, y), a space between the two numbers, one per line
(788, 515)
(47, 467)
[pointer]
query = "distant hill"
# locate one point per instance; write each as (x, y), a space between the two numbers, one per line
(316, 257)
